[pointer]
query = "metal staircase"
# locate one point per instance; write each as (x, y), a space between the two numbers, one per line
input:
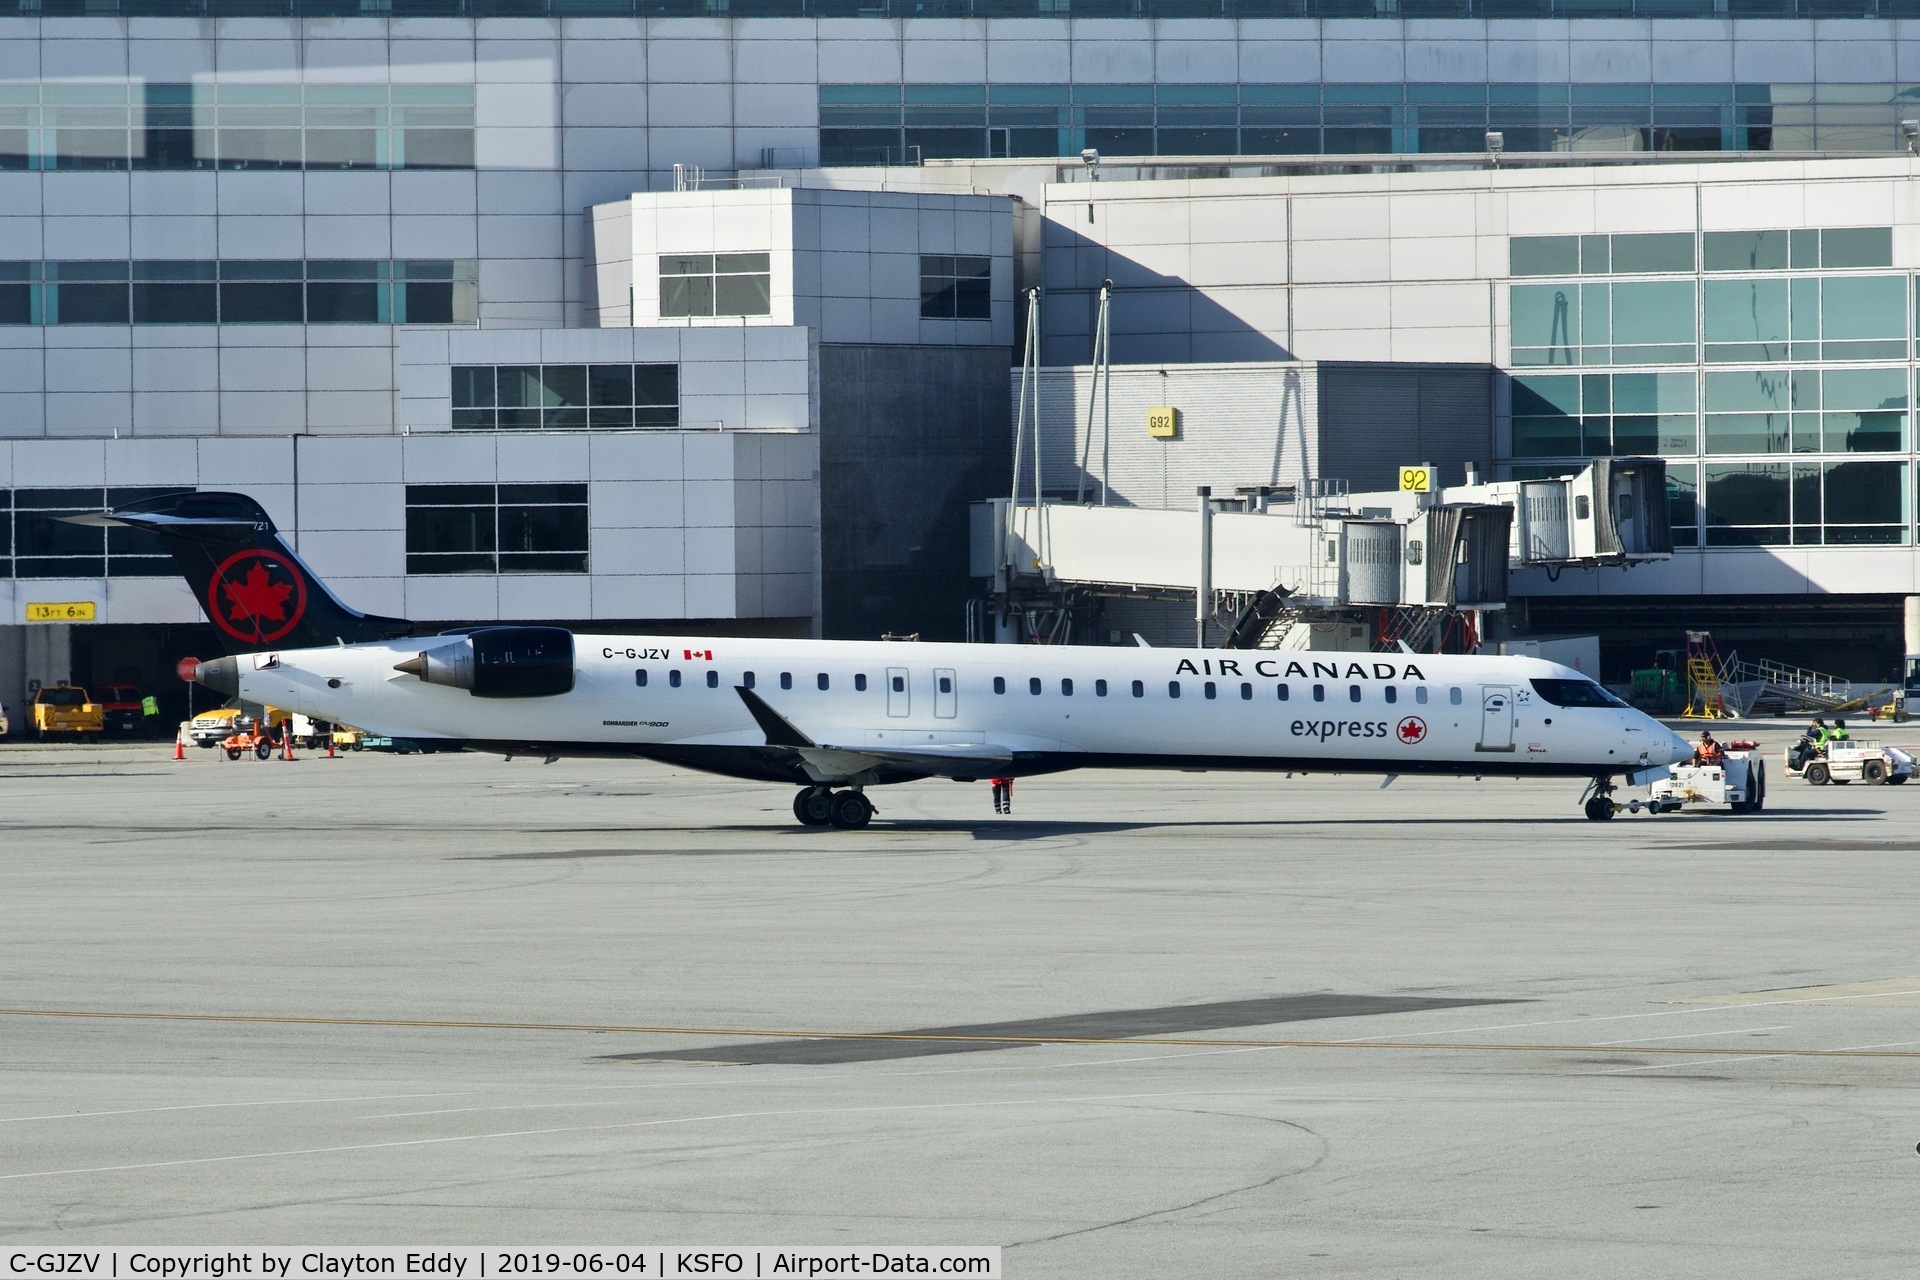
(1704, 698)
(1788, 688)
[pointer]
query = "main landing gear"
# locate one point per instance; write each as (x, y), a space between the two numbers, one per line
(825, 807)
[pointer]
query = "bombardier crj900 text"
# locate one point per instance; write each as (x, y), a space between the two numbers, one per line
(836, 717)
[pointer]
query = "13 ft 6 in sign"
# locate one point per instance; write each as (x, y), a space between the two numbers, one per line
(60, 611)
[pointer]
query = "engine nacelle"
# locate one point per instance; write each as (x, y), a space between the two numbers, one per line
(500, 662)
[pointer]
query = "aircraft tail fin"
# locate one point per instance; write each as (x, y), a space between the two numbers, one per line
(253, 588)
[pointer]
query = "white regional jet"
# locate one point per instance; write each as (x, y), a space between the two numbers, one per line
(836, 717)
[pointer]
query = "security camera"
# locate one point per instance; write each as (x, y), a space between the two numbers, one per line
(1089, 157)
(1496, 141)
(1910, 130)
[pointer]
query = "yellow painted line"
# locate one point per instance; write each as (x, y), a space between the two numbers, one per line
(938, 1038)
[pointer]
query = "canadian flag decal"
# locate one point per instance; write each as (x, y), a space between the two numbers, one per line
(705, 655)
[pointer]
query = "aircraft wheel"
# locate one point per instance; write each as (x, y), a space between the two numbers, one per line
(813, 806)
(1873, 773)
(851, 810)
(1599, 809)
(1818, 774)
(233, 753)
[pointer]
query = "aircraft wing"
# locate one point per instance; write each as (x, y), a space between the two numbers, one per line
(829, 763)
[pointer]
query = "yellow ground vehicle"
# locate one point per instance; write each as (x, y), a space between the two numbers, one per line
(63, 709)
(210, 728)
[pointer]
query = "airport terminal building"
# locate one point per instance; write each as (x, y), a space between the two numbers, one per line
(688, 320)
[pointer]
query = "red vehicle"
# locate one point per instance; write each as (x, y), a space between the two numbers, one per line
(122, 709)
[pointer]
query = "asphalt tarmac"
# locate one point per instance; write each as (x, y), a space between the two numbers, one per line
(1148, 1025)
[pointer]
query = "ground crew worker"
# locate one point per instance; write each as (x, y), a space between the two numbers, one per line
(1812, 743)
(1708, 752)
(1838, 733)
(1003, 795)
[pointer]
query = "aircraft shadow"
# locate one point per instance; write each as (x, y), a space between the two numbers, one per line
(1115, 1025)
(1015, 831)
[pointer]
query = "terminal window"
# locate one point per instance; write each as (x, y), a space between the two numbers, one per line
(489, 528)
(879, 124)
(715, 284)
(564, 397)
(36, 543)
(1807, 503)
(117, 126)
(956, 288)
(1752, 320)
(205, 291)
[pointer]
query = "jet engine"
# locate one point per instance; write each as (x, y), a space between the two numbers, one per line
(500, 662)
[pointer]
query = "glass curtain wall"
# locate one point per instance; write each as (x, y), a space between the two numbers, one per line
(1772, 369)
(117, 126)
(862, 124)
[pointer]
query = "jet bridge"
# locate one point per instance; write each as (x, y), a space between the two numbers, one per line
(1322, 551)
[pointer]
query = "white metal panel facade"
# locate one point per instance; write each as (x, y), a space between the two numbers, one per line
(1242, 424)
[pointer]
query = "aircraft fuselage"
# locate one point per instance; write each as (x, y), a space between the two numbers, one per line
(1047, 707)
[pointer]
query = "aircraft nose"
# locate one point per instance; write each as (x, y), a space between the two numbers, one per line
(1678, 748)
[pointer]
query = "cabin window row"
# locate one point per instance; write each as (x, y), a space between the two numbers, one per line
(821, 680)
(1211, 689)
(1035, 687)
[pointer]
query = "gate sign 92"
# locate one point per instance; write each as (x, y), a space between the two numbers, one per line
(1416, 479)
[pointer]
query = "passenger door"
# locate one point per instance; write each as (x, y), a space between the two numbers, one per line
(946, 693)
(1496, 718)
(899, 693)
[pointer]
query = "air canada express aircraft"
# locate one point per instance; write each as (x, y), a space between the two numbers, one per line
(836, 717)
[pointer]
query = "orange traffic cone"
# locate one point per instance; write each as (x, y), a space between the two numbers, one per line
(330, 754)
(286, 742)
(180, 744)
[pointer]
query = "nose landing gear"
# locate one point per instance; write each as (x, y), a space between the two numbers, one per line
(825, 807)
(1600, 806)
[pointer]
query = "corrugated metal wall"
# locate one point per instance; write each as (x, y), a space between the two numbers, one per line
(1240, 424)
(1376, 418)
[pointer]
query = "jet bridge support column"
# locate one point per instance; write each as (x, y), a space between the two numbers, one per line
(1203, 596)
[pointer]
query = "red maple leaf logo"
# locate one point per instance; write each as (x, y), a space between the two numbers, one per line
(257, 597)
(1412, 730)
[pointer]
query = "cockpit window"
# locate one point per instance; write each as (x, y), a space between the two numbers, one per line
(1575, 693)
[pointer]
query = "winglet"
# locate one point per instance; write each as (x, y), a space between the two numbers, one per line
(780, 732)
